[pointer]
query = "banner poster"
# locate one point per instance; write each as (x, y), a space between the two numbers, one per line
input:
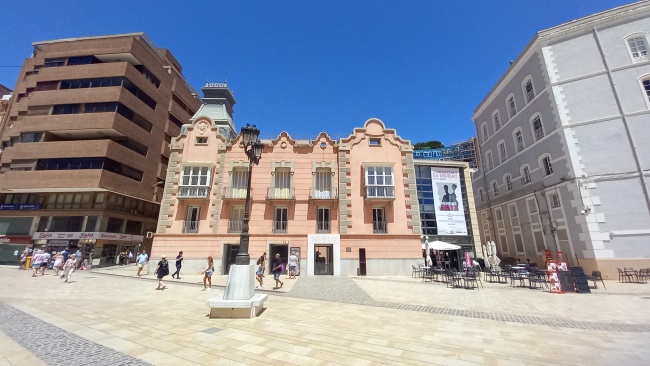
(448, 199)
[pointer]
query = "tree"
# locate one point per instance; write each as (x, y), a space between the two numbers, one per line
(433, 144)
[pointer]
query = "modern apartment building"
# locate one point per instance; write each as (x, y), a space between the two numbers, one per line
(462, 151)
(342, 206)
(563, 145)
(86, 143)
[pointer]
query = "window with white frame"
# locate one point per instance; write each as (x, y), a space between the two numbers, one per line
(513, 211)
(532, 206)
(195, 176)
(495, 188)
(239, 183)
(546, 164)
(323, 183)
(489, 160)
(503, 156)
(538, 129)
(484, 131)
(518, 138)
(508, 181)
(529, 90)
(496, 119)
(379, 182)
(236, 219)
(646, 87)
(525, 174)
(554, 198)
(280, 219)
(638, 47)
(282, 183)
(498, 213)
(379, 221)
(512, 106)
(480, 193)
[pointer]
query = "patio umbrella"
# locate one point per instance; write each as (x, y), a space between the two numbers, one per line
(441, 245)
(495, 259)
(487, 249)
(425, 246)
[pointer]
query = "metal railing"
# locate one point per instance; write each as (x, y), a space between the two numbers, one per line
(280, 227)
(323, 227)
(235, 226)
(379, 227)
(235, 193)
(323, 193)
(190, 227)
(280, 193)
(386, 192)
(193, 192)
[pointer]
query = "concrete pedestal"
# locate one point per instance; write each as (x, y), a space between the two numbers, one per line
(239, 299)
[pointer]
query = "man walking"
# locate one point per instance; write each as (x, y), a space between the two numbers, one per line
(179, 264)
(293, 265)
(143, 258)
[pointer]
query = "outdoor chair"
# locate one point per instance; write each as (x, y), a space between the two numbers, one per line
(596, 276)
(473, 278)
(538, 279)
(454, 279)
(644, 275)
(515, 276)
(621, 275)
(632, 273)
(416, 271)
(490, 274)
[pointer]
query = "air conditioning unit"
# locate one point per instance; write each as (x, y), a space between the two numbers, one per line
(149, 235)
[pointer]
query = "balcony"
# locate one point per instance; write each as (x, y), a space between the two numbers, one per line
(235, 193)
(379, 227)
(193, 192)
(235, 226)
(280, 227)
(190, 227)
(280, 194)
(323, 227)
(323, 194)
(380, 193)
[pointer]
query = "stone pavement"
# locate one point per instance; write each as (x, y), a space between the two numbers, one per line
(361, 322)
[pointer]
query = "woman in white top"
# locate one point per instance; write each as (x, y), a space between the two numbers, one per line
(69, 267)
(58, 262)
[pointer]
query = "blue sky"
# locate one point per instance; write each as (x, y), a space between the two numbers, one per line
(307, 66)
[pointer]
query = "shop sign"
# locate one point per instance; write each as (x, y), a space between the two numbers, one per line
(32, 206)
(88, 236)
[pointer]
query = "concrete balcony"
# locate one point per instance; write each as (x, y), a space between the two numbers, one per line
(380, 193)
(280, 227)
(193, 192)
(281, 194)
(235, 193)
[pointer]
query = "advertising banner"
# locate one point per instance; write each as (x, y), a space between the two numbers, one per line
(450, 213)
(86, 235)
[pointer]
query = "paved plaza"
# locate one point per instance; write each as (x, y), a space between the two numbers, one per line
(111, 317)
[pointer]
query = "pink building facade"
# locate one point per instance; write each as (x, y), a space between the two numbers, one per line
(345, 207)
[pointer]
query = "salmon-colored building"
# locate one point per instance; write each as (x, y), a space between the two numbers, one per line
(345, 207)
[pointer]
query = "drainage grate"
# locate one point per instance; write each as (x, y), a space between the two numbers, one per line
(211, 330)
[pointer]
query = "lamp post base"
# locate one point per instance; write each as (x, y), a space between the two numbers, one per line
(241, 282)
(239, 299)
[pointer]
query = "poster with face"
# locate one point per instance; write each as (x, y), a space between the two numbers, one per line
(448, 199)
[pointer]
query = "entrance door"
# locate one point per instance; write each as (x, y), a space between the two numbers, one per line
(229, 255)
(324, 259)
(283, 250)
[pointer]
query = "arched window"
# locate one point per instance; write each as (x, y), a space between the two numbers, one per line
(518, 138)
(537, 127)
(489, 160)
(525, 174)
(645, 85)
(484, 132)
(503, 155)
(508, 181)
(495, 188)
(512, 106)
(638, 46)
(545, 163)
(529, 89)
(496, 120)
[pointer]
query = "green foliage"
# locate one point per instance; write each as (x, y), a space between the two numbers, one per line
(433, 144)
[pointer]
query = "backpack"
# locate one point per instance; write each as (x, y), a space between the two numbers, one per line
(259, 261)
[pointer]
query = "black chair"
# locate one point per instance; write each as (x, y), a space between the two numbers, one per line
(472, 278)
(644, 275)
(596, 276)
(416, 271)
(454, 279)
(537, 279)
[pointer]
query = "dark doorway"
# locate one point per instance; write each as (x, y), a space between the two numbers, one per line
(362, 261)
(323, 259)
(283, 250)
(229, 254)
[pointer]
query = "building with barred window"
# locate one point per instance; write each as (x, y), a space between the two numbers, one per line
(345, 207)
(564, 158)
(85, 143)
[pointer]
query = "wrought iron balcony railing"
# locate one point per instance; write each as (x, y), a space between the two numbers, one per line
(280, 227)
(190, 227)
(235, 193)
(379, 227)
(323, 227)
(317, 193)
(280, 193)
(235, 226)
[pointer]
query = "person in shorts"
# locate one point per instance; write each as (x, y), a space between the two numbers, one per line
(143, 258)
(278, 267)
(259, 275)
(45, 261)
(207, 274)
(293, 265)
(37, 259)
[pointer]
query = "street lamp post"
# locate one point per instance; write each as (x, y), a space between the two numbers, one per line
(253, 149)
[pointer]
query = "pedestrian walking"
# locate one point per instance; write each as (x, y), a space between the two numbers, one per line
(122, 258)
(65, 253)
(278, 267)
(261, 263)
(143, 258)
(69, 267)
(58, 263)
(179, 264)
(44, 261)
(293, 265)
(207, 274)
(23, 260)
(37, 259)
(129, 257)
(162, 270)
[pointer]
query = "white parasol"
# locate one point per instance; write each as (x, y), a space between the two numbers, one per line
(441, 245)
(495, 259)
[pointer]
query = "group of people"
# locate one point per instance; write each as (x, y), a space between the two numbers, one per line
(125, 257)
(62, 262)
